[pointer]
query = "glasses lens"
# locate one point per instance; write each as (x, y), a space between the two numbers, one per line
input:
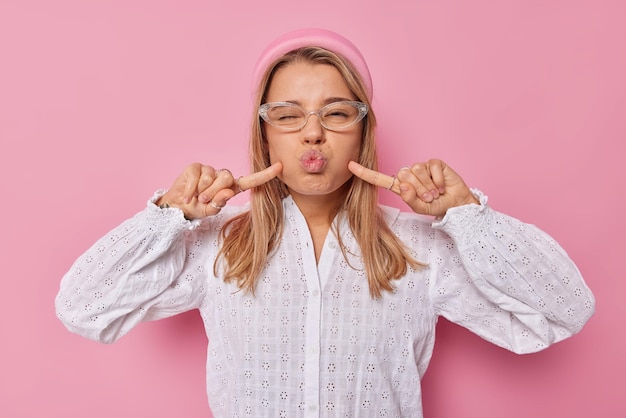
(291, 117)
(284, 116)
(339, 115)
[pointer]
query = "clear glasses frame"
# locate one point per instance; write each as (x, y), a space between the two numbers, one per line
(321, 114)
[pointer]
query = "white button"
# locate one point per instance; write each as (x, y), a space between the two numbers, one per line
(313, 350)
(316, 293)
(312, 408)
(332, 245)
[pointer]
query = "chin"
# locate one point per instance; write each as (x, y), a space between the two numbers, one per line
(319, 188)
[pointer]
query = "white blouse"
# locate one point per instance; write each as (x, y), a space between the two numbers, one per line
(312, 342)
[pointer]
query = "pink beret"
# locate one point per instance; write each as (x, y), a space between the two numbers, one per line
(312, 37)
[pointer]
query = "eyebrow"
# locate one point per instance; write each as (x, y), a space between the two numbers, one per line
(326, 101)
(337, 99)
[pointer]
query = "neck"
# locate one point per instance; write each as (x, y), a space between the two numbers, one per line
(318, 209)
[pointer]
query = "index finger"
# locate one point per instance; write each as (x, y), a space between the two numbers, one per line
(260, 177)
(374, 177)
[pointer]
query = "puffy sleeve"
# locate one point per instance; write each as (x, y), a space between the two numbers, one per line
(505, 280)
(152, 266)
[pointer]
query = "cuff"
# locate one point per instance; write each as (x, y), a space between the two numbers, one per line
(170, 214)
(467, 220)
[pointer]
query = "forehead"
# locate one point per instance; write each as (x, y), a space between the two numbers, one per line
(306, 82)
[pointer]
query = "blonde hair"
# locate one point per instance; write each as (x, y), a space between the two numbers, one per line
(249, 239)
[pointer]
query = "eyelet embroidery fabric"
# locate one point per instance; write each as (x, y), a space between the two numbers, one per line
(312, 342)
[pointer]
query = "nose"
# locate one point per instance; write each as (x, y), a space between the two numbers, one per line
(313, 131)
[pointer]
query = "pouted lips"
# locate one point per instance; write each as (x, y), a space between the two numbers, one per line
(313, 161)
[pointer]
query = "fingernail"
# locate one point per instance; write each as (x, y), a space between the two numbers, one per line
(427, 197)
(203, 199)
(434, 193)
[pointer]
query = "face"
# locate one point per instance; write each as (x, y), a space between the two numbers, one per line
(315, 160)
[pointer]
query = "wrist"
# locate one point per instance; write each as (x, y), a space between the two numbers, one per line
(162, 203)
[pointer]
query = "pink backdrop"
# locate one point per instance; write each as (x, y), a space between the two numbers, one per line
(102, 102)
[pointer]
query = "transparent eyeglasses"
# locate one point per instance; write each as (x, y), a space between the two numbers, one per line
(290, 117)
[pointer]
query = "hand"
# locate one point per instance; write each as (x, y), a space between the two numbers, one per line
(429, 188)
(202, 191)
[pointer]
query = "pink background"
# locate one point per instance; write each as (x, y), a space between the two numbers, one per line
(102, 102)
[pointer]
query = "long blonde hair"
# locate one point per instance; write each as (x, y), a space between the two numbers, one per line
(249, 239)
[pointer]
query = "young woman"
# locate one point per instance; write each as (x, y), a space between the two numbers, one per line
(316, 300)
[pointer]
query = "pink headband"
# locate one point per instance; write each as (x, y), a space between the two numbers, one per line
(312, 37)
